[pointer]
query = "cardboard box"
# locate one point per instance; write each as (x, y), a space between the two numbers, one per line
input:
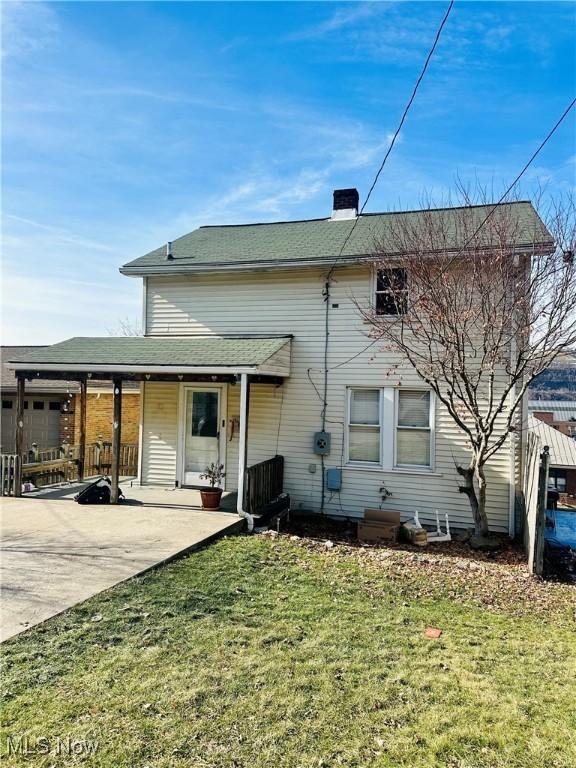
(379, 526)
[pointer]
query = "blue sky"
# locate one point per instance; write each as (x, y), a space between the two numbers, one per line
(129, 124)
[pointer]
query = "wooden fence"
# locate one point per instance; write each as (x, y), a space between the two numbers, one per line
(535, 489)
(60, 465)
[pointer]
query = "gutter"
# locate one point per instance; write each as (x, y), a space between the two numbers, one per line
(173, 268)
(83, 367)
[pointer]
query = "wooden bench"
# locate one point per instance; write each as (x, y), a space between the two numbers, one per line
(264, 496)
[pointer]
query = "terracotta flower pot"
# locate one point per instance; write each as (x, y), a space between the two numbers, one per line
(211, 498)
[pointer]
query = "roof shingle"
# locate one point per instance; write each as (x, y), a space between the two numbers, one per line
(199, 351)
(276, 243)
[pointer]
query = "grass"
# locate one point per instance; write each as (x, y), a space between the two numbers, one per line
(259, 652)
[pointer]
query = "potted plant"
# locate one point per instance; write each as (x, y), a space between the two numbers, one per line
(211, 496)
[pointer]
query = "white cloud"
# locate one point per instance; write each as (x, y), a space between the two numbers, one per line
(61, 235)
(44, 310)
(27, 27)
(342, 18)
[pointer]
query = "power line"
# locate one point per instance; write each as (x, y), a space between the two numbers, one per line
(396, 133)
(442, 272)
(326, 292)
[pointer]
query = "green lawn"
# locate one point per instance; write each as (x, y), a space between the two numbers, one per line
(272, 652)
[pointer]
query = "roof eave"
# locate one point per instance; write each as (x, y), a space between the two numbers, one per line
(172, 268)
(100, 368)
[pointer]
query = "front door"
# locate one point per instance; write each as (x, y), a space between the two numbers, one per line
(202, 433)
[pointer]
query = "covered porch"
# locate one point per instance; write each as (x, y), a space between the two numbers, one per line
(196, 396)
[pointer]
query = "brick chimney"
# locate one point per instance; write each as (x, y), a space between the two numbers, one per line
(345, 204)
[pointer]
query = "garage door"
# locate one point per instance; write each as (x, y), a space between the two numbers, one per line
(41, 422)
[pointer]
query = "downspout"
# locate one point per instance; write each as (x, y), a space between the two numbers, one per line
(326, 295)
(242, 451)
(512, 435)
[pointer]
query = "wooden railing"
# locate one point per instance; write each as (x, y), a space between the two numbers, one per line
(9, 474)
(58, 465)
(98, 459)
(263, 483)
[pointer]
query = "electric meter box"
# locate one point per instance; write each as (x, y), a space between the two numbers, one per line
(322, 443)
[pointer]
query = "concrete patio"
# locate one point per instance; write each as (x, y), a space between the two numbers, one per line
(56, 553)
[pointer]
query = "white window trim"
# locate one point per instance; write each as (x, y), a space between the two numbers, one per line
(374, 288)
(388, 416)
(431, 428)
(356, 463)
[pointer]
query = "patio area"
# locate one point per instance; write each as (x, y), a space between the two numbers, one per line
(56, 553)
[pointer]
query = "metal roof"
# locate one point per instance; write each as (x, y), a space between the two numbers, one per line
(563, 410)
(562, 447)
(317, 241)
(165, 354)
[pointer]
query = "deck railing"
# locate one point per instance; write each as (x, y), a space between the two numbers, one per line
(57, 465)
(9, 474)
(263, 483)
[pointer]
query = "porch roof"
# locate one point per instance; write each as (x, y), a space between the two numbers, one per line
(260, 355)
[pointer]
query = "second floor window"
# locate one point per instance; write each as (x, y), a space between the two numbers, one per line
(391, 291)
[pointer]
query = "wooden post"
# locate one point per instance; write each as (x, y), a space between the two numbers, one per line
(19, 434)
(116, 438)
(82, 435)
(541, 512)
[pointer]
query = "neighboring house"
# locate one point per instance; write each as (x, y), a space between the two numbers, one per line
(559, 414)
(50, 408)
(46, 421)
(562, 473)
(232, 361)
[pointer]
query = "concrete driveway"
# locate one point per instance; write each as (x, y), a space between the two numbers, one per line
(56, 553)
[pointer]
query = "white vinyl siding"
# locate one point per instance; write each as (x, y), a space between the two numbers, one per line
(291, 301)
(159, 432)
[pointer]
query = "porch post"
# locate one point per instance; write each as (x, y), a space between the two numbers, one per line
(242, 442)
(19, 434)
(116, 438)
(82, 435)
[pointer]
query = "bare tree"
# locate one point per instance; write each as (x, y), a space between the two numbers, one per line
(479, 300)
(126, 327)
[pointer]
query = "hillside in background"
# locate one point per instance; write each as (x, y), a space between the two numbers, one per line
(557, 383)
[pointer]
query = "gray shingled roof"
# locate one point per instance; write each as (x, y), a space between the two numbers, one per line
(124, 351)
(229, 247)
(8, 381)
